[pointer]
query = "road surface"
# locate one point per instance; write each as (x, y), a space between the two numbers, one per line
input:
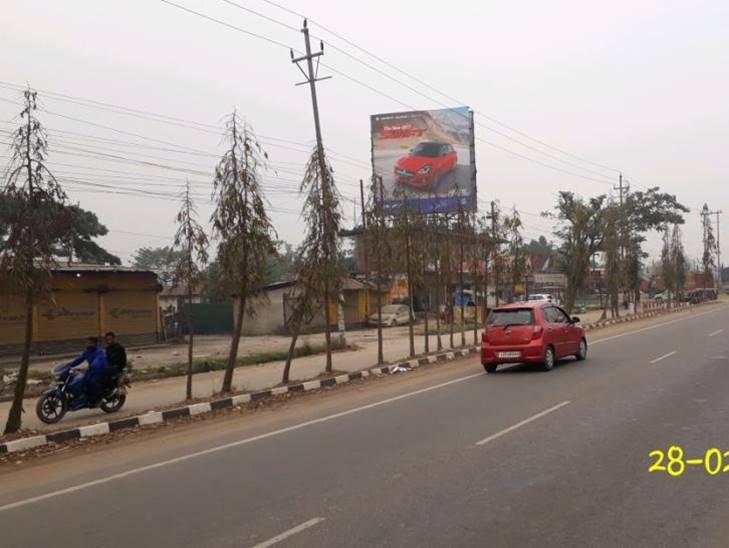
(445, 456)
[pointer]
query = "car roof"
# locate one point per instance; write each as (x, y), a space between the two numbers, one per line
(524, 304)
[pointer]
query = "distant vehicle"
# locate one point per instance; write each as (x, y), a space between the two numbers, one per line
(536, 332)
(392, 314)
(426, 164)
(544, 297)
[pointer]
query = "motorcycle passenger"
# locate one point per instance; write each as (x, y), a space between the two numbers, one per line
(116, 356)
(90, 384)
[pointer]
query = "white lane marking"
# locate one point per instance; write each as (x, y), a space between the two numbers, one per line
(290, 532)
(238, 443)
(661, 358)
(656, 326)
(505, 431)
(715, 333)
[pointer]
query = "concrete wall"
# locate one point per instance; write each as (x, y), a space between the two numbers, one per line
(269, 314)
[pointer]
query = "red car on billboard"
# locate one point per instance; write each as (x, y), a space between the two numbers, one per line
(426, 164)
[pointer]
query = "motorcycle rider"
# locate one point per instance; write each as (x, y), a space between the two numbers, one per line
(90, 384)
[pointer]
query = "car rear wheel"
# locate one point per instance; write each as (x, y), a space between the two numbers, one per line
(548, 362)
(490, 367)
(582, 352)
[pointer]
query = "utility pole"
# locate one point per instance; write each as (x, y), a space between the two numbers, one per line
(311, 78)
(623, 190)
(496, 254)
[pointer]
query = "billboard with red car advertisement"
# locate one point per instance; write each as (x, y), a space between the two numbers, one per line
(426, 159)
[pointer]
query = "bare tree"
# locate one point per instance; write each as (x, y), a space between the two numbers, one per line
(318, 268)
(406, 225)
(192, 242)
(377, 240)
(709, 244)
(38, 222)
(241, 223)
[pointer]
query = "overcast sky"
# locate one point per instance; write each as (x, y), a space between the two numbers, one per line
(638, 86)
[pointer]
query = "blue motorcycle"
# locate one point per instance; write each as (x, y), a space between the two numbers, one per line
(56, 402)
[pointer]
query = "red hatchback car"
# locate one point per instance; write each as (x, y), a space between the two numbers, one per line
(426, 164)
(536, 332)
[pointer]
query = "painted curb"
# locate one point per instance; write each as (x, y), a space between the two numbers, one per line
(158, 417)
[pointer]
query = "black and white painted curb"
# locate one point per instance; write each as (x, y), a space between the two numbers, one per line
(156, 417)
(635, 317)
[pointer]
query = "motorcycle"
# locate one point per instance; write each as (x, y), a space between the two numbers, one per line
(56, 402)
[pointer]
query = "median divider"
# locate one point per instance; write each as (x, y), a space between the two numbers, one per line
(642, 316)
(158, 417)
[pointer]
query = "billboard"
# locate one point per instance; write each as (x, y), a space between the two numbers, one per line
(426, 159)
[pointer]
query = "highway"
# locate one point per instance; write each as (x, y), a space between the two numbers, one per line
(443, 456)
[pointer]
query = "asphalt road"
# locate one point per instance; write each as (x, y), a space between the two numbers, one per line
(447, 456)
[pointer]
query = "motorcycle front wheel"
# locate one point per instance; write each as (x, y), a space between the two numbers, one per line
(114, 402)
(51, 408)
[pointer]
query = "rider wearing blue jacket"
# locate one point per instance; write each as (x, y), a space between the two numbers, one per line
(91, 382)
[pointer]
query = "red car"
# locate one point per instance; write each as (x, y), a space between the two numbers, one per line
(426, 164)
(536, 332)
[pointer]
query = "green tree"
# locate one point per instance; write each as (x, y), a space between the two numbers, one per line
(519, 261)
(241, 224)
(160, 260)
(580, 231)
(77, 244)
(37, 223)
(192, 242)
(80, 244)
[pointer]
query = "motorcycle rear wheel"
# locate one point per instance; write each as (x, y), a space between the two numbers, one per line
(113, 403)
(50, 408)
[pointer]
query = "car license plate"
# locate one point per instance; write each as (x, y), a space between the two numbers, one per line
(505, 355)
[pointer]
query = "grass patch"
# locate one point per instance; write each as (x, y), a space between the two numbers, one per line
(218, 364)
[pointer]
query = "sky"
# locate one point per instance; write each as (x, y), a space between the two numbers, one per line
(567, 94)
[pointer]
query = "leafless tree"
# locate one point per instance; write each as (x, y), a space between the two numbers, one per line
(38, 222)
(241, 223)
(192, 242)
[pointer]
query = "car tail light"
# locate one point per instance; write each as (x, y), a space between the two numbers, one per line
(485, 336)
(537, 332)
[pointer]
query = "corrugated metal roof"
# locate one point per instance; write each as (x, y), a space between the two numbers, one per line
(86, 267)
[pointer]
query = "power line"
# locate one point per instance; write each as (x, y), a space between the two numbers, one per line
(423, 83)
(379, 92)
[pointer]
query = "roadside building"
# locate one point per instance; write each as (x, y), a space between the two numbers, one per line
(174, 298)
(278, 301)
(86, 300)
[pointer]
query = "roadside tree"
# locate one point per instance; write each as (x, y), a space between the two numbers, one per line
(35, 226)
(192, 241)
(241, 225)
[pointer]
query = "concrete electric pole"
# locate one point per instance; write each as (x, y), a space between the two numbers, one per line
(311, 78)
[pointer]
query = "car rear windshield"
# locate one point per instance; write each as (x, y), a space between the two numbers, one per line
(391, 309)
(516, 316)
(429, 150)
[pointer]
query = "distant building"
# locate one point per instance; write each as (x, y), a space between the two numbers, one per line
(275, 308)
(172, 299)
(87, 300)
